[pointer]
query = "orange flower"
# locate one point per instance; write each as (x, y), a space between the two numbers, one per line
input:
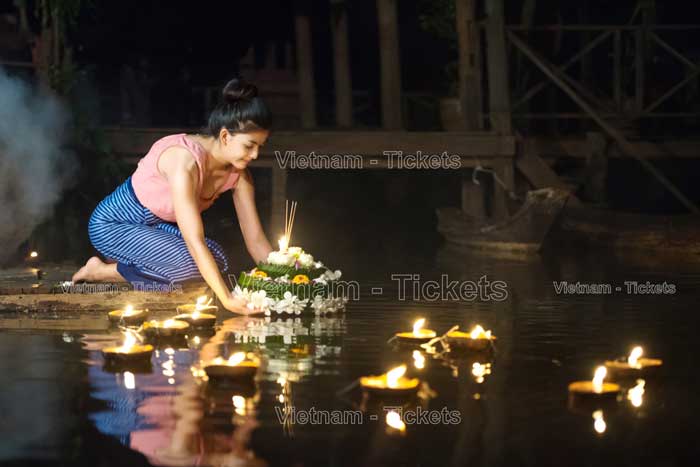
(300, 279)
(257, 273)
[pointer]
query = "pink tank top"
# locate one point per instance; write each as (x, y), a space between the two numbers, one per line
(153, 190)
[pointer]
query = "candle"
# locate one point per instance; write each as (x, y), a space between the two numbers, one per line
(480, 370)
(129, 351)
(128, 316)
(596, 390)
(239, 366)
(390, 383)
(477, 339)
(418, 335)
(418, 360)
(167, 328)
(195, 314)
(633, 366)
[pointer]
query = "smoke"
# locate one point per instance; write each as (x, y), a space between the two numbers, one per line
(35, 166)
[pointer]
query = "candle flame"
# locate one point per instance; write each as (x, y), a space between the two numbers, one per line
(283, 243)
(393, 419)
(128, 310)
(418, 359)
(236, 358)
(202, 303)
(636, 394)
(417, 325)
(195, 314)
(479, 332)
(600, 373)
(168, 323)
(636, 352)
(33, 254)
(393, 375)
(599, 424)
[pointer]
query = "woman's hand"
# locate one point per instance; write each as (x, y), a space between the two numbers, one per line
(238, 305)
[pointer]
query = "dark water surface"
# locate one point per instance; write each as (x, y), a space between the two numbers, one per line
(60, 406)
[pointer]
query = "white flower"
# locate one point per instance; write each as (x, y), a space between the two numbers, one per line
(290, 304)
(318, 265)
(306, 260)
(258, 300)
(282, 279)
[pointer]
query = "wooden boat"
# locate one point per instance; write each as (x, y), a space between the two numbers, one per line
(523, 231)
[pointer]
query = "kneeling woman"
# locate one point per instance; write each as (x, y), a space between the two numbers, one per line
(150, 228)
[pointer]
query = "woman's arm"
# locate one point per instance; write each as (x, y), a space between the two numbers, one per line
(244, 200)
(181, 172)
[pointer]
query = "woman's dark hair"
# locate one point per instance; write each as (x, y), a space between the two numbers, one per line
(240, 110)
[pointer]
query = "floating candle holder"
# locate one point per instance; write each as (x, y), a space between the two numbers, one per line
(417, 336)
(239, 366)
(167, 328)
(634, 366)
(596, 391)
(128, 316)
(128, 352)
(476, 339)
(391, 383)
(200, 314)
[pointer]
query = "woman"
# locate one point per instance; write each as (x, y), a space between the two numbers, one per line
(150, 228)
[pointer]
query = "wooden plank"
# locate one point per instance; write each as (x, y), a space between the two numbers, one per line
(389, 64)
(614, 133)
(365, 143)
(576, 147)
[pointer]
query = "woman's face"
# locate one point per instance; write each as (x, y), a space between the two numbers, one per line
(240, 148)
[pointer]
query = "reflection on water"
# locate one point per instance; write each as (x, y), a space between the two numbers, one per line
(511, 403)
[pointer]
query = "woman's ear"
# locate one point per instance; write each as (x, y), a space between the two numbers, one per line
(224, 136)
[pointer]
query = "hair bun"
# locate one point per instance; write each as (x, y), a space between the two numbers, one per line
(238, 90)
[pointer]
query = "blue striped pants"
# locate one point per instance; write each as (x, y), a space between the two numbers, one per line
(146, 248)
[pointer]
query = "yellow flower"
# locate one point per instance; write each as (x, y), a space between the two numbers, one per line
(257, 273)
(300, 279)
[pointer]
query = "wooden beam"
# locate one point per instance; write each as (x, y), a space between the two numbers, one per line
(469, 65)
(390, 64)
(305, 68)
(619, 138)
(341, 62)
(499, 88)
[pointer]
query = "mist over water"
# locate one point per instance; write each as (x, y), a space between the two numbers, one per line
(35, 164)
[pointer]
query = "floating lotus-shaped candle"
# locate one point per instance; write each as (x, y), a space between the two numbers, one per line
(167, 328)
(200, 314)
(594, 391)
(390, 383)
(633, 366)
(239, 366)
(128, 316)
(418, 335)
(128, 352)
(476, 339)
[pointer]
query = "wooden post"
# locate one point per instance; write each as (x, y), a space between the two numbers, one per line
(341, 61)
(639, 70)
(499, 88)
(469, 65)
(305, 66)
(278, 196)
(473, 197)
(617, 69)
(504, 169)
(597, 168)
(390, 64)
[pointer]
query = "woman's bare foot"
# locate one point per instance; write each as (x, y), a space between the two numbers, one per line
(95, 270)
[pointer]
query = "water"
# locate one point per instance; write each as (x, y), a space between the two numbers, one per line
(60, 406)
